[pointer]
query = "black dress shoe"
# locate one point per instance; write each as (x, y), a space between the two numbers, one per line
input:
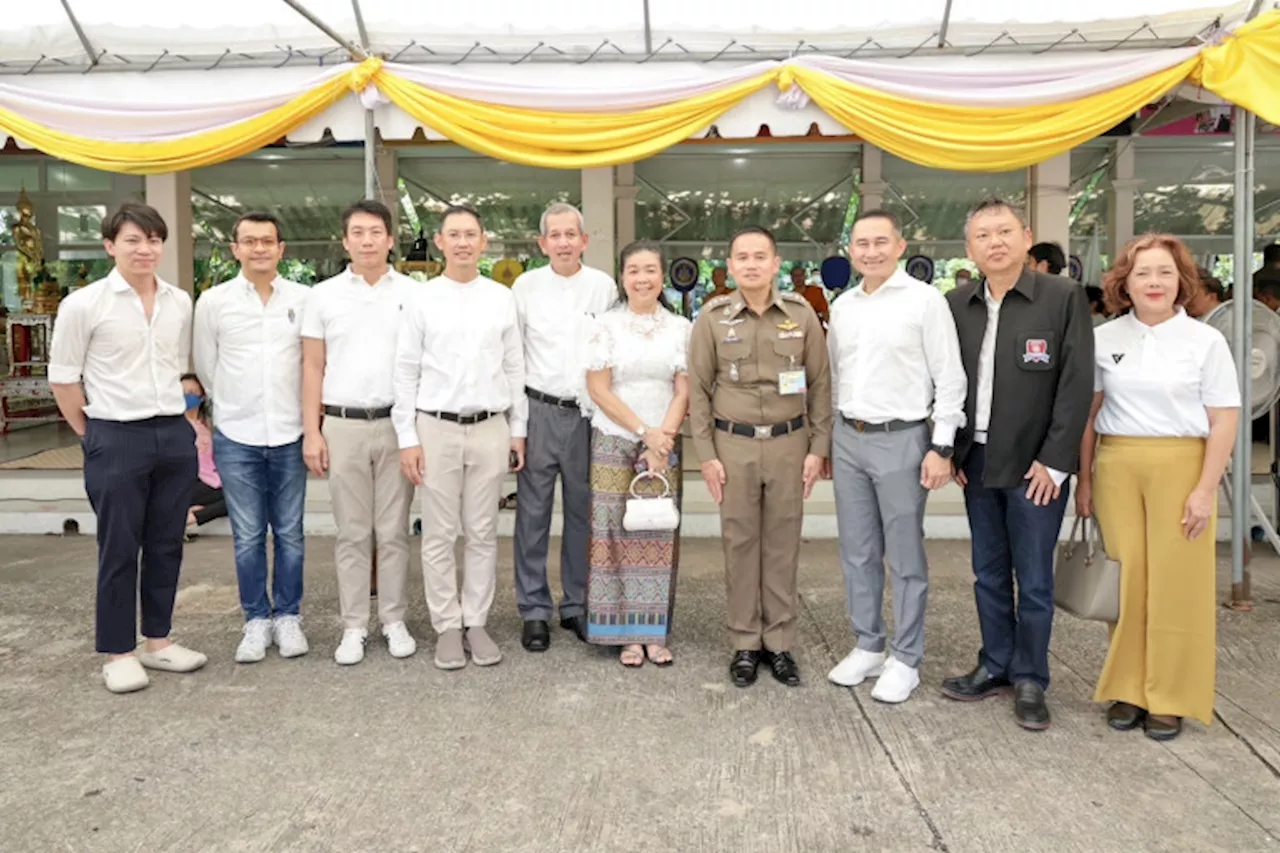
(975, 685)
(784, 668)
(536, 636)
(576, 624)
(1124, 717)
(742, 669)
(1029, 708)
(1160, 730)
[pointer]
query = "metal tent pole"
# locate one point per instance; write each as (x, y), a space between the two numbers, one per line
(370, 156)
(1241, 346)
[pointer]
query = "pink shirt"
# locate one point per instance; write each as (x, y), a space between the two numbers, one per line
(204, 447)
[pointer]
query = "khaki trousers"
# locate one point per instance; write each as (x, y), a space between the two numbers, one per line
(466, 466)
(760, 522)
(371, 501)
(1163, 650)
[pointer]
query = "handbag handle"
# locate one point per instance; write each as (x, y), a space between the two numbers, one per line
(1080, 536)
(649, 475)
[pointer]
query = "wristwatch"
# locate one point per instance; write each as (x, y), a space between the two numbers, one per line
(640, 432)
(946, 451)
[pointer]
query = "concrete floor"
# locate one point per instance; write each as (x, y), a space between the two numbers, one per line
(567, 751)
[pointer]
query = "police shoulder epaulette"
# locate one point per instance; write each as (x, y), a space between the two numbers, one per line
(717, 302)
(793, 297)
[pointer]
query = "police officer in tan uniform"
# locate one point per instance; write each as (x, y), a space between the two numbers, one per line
(761, 415)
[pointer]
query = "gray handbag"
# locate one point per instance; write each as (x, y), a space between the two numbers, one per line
(1086, 582)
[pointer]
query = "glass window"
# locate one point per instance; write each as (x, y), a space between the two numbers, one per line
(18, 173)
(80, 223)
(69, 178)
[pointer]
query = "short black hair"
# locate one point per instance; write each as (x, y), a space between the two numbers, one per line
(260, 216)
(1271, 255)
(994, 202)
(1266, 283)
(1051, 253)
(880, 213)
(369, 206)
(754, 229)
(142, 215)
(1210, 284)
(455, 209)
(1095, 295)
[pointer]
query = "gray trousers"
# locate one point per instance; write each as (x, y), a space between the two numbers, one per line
(880, 513)
(559, 444)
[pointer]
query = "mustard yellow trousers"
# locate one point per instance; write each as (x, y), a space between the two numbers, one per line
(1163, 649)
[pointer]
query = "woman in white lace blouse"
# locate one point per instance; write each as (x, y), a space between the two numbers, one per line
(637, 378)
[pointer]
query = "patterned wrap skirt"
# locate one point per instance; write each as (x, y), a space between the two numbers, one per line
(631, 588)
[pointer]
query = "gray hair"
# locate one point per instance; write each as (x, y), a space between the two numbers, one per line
(556, 209)
(994, 203)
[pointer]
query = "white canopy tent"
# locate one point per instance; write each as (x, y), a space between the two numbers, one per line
(83, 49)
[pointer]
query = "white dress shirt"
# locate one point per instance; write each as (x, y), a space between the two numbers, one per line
(131, 367)
(895, 355)
(249, 358)
(555, 319)
(358, 323)
(460, 351)
(1156, 381)
(987, 378)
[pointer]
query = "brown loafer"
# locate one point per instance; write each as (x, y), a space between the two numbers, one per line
(1162, 731)
(1124, 717)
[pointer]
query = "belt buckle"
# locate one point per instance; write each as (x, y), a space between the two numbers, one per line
(764, 432)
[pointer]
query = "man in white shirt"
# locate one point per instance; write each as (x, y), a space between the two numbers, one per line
(348, 354)
(895, 363)
(248, 355)
(460, 417)
(119, 349)
(1027, 345)
(555, 305)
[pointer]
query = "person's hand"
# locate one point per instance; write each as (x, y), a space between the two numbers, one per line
(1084, 498)
(1041, 490)
(191, 516)
(828, 471)
(655, 438)
(413, 464)
(517, 447)
(1197, 512)
(935, 472)
(961, 479)
(315, 453)
(812, 470)
(657, 462)
(713, 475)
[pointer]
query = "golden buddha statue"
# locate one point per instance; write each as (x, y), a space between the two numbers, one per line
(30, 246)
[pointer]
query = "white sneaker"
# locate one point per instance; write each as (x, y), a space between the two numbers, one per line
(124, 675)
(351, 649)
(289, 636)
(399, 641)
(896, 683)
(257, 639)
(172, 658)
(857, 667)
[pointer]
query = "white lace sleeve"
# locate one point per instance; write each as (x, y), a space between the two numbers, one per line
(599, 355)
(680, 357)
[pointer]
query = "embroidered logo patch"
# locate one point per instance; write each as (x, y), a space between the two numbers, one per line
(1037, 351)
(1116, 356)
(291, 315)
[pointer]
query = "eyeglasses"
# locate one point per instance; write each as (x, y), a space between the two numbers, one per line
(254, 242)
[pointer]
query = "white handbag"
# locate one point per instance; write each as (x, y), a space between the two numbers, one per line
(657, 513)
(1086, 581)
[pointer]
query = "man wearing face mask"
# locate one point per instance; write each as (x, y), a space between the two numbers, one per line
(460, 418)
(348, 350)
(248, 355)
(555, 305)
(1027, 345)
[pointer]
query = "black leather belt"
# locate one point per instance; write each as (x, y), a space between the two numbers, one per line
(760, 430)
(358, 414)
(464, 420)
(558, 402)
(886, 426)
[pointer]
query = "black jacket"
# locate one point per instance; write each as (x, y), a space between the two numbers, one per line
(1043, 383)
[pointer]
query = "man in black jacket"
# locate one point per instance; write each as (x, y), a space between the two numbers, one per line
(1027, 344)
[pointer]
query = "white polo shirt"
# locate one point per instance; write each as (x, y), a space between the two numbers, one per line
(555, 318)
(249, 359)
(459, 351)
(1157, 380)
(131, 367)
(358, 323)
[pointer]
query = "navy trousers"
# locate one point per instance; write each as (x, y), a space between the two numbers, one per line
(1012, 538)
(139, 477)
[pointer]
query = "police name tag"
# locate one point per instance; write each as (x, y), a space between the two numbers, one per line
(791, 382)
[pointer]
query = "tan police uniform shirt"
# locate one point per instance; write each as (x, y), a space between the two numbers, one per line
(735, 357)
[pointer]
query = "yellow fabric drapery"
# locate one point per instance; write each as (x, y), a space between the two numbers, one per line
(1243, 69)
(191, 152)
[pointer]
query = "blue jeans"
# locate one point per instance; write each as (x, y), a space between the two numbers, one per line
(264, 485)
(1012, 537)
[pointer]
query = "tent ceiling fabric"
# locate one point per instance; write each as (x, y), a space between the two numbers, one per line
(179, 34)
